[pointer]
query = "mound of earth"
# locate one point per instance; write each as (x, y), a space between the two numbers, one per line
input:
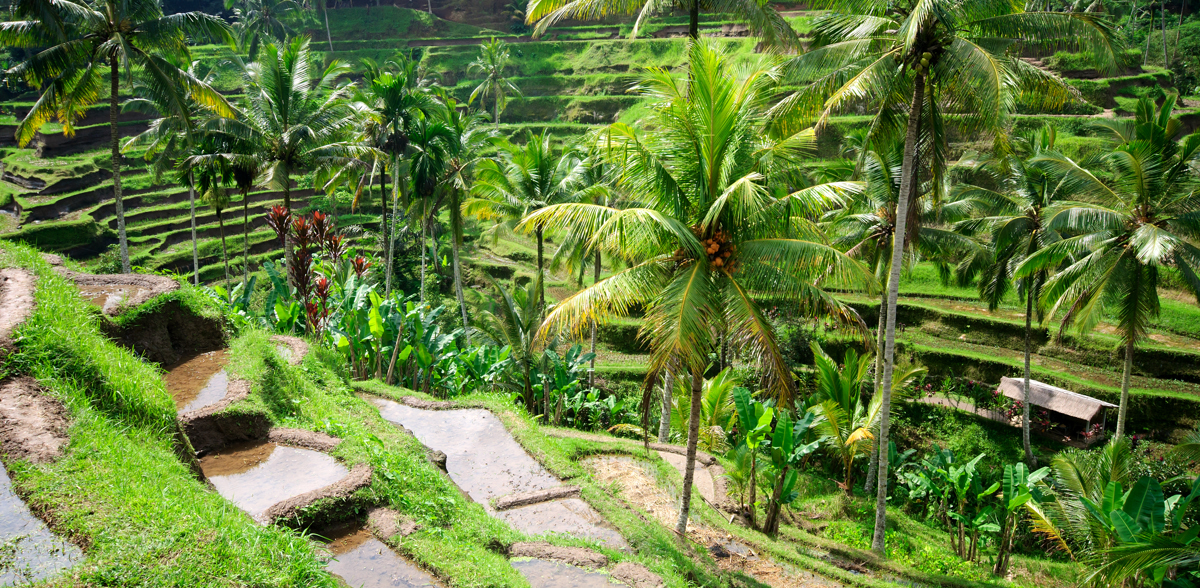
(33, 426)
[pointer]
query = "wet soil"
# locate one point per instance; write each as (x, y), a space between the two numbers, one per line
(362, 561)
(486, 462)
(33, 426)
(198, 381)
(256, 476)
(29, 552)
(703, 482)
(167, 334)
(550, 574)
(291, 349)
(111, 297)
(114, 293)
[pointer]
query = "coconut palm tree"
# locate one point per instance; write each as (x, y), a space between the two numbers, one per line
(493, 58)
(261, 21)
(289, 120)
(1026, 194)
(525, 179)
(395, 94)
(762, 17)
(467, 136)
(911, 61)
(430, 140)
(209, 178)
(717, 231)
(1125, 233)
(74, 41)
(171, 138)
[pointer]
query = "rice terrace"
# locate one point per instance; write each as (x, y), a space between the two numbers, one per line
(590, 293)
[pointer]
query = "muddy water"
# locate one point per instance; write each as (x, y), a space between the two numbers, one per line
(362, 561)
(255, 476)
(198, 381)
(109, 297)
(551, 574)
(487, 463)
(28, 550)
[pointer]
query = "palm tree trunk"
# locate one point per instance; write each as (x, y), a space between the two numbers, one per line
(224, 251)
(753, 487)
(1025, 427)
(908, 177)
(1124, 408)
(328, 35)
(195, 247)
(245, 236)
(1149, 33)
(689, 471)
(496, 114)
(694, 20)
(115, 88)
(289, 252)
(541, 277)
(595, 279)
(383, 206)
(873, 464)
(664, 423)
(456, 243)
(423, 252)
(1166, 64)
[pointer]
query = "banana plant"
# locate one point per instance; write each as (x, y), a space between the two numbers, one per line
(754, 423)
(1018, 488)
(970, 512)
(786, 455)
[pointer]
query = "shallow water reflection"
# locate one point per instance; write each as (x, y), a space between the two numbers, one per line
(255, 476)
(199, 381)
(486, 462)
(549, 574)
(28, 550)
(362, 561)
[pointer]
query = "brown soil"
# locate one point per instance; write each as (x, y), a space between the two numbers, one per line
(642, 492)
(347, 538)
(296, 347)
(386, 523)
(16, 302)
(535, 497)
(207, 429)
(303, 438)
(576, 556)
(360, 476)
(33, 426)
(426, 404)
(116, 292)
(52, 259)
(187, 378)
(636, 575)
(236, 458)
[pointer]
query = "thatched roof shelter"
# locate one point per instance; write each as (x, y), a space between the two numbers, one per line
(1055, 399)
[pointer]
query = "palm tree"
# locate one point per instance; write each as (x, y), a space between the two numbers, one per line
(209, 177)
(288, 121)
(935, 55)
(512, 319)
(1125, 233)
(493, 58)
(395, 95)
(847, 422)
(75, 41)
(1026, 194)
(717, 413)
(170, 138)
(718, 230)
(867, 227)
(261, 21)
(524, 180)
(466, 139)
(764, 21)
(243, 173)
(430, 140)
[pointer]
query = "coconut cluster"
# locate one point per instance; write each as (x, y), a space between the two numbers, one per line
(719, 248)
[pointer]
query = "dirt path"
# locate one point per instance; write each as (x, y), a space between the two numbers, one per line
(640, 490)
